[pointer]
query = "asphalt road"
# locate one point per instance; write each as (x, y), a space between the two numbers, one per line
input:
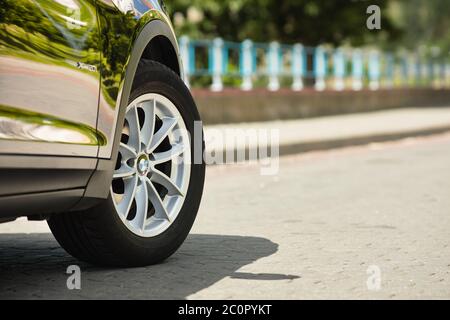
(366, 222)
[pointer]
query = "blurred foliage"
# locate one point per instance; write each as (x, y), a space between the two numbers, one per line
(404, 22)
(424, 23)
(307, 21)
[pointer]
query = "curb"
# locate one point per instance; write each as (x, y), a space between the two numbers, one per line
(235, 106)
(308, 146)
(303, 147)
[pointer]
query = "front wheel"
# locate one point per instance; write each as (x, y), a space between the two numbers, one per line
(156, 187)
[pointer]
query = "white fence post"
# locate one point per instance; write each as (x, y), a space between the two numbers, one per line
(184, 53)
(320, 68)
(297, 67)
(247, 65)
(430, 74)
(274, 66)
(404, 73)
(447, 75)
(217, 65)
(423, 71)
(436, 75)
(411, 69)
(442, 75)
(339, 69)
(357, 69)
(374, 70)
(390, 70)
(417, 69)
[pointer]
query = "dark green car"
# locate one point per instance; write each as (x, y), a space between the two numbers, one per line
(97, 129)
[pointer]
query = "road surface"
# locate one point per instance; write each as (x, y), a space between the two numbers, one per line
(366, 222)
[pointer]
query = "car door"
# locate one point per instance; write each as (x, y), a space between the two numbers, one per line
(49, 77)
(49, 89)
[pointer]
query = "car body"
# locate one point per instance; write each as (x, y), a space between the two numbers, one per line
(71, 156)
(67, 69)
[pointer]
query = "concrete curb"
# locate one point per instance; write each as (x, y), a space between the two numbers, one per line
(305, 135)
(234, 106)
(303, 147)
(296, 148)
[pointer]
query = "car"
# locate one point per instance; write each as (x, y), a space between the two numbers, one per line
(98, 131)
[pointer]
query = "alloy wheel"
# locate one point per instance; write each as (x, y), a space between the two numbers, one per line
(152, 173)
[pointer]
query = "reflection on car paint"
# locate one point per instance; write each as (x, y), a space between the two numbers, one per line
(67, 59)
(137, 7)
(118, 33)
(49, 64)
(19, 124)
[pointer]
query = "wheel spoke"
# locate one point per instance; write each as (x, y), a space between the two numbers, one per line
(135, 132)
(166, 182)
(124, 171)
(141, 198)
(155, 199)
(130, 185)
(161, 157)
(127, 152)
(149, 124)
(167, 126)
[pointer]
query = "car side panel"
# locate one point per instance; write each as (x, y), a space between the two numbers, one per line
(49, 89)
(49, 78)
(37, 184)
(30, 174)
(118, 69)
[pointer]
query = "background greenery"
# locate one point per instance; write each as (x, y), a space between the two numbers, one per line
(405, 23)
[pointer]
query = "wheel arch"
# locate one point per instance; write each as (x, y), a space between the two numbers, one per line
(161, 49)
(155, 41)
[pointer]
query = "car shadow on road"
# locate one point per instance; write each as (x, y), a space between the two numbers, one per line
(33, 266)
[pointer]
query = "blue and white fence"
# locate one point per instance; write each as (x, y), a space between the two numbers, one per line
(320, 67)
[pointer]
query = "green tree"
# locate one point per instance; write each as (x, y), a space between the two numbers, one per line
(306, 21)
(423, 23)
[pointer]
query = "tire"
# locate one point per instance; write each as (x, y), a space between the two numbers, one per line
(99, 235)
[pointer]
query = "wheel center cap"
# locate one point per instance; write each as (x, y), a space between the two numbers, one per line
(143, 165)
